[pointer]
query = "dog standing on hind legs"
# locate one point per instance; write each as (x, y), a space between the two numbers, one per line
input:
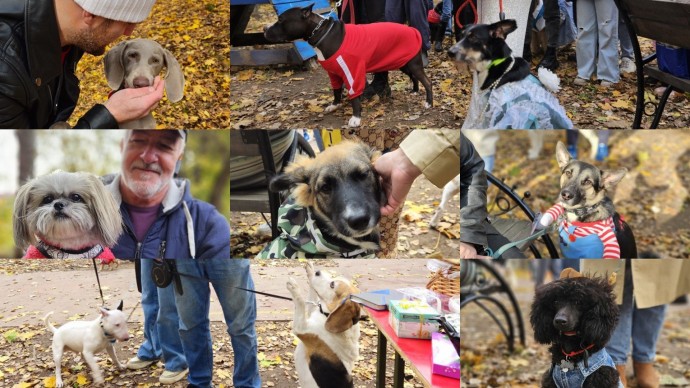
(328, 330)
(89, 338)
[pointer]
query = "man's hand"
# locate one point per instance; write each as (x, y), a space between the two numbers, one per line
(397, 174)
(131, 104)
(468, 251)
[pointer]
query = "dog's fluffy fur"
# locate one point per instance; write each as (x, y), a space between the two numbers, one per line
(329, 334)
(341, 188)
(588, 306)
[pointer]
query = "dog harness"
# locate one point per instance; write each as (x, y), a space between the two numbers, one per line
(575, 377)
(370, 48)
(581, 240)
(523, 104)
(44, 251)
(301, 238)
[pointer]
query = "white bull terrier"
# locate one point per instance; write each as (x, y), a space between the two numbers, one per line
(89, 338)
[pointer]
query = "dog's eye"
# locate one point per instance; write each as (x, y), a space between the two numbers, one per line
(333, 284)
(568, 173)
(133, 55)
(47, 199)
(325, 188)
(586, 182)
(359, 175)
(76, 198)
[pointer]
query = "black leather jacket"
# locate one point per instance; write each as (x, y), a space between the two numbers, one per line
(472, 195)
(36, 88)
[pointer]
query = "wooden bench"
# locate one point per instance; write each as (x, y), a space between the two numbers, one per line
(515, 229)
(666, 21)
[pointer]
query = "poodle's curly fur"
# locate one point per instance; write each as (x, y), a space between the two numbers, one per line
(587, 312)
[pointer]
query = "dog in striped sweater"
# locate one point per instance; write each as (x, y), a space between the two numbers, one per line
(588, 224)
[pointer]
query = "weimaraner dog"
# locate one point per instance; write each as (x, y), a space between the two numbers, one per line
(134, 64)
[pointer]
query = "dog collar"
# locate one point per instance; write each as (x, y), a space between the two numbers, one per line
(107, 335)
(497, 62)
(53, 252)
(584, 211)
(576, 352)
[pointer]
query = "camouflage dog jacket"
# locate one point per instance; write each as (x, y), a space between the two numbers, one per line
(301, 238)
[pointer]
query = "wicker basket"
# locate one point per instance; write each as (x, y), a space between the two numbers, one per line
(441, 284)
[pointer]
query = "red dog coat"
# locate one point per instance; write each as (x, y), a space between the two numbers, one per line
(370, 48)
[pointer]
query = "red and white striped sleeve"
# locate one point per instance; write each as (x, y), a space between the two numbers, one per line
(608, 238)
(555, 211)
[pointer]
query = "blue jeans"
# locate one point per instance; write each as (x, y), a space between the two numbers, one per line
(239, 310)
(161, 323)
(641, 325)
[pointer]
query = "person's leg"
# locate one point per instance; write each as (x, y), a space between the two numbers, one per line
(540, 272)
(417, 12)
(607, 27)
(168, 331)
(619, 344)
(586, 48)
(193, 306)
(552, 16)
(646, 327)
(376, 10)
(151, 348)
(627, 53)
(239, 310)
(603, 146)
(572, 135)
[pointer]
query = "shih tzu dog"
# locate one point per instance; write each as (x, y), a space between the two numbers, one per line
(66, 215)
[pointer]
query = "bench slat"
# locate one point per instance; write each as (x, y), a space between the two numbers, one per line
(513, 230)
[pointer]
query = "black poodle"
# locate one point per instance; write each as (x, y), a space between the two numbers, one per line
(577, 316)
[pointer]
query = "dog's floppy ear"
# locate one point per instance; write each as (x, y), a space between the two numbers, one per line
(306, 11)
(174, 81)
(119, 307)
(343, 317)
(601, 319)
(610, 178)
(503, 28)
(562, 155)
(23, 234)
(105, 211)
(542, 314)
(114, 67)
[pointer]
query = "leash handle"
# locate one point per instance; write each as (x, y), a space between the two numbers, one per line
(501, 14)
(474, 10)
(95, 269)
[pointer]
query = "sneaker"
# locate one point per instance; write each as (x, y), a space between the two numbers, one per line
(580, 81)
(627, 65)
(136, 363)
(572, 150)
(168, 377)
(602, 152)
(606, 84)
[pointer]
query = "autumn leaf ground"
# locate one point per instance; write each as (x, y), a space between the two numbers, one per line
(487, 362)
(295, 96)
(26, 359)
(197, 34)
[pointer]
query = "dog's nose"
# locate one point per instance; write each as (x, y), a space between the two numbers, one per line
(560, 321)
(141, 82)
(58, 206)
(566, 195)
(358, 221)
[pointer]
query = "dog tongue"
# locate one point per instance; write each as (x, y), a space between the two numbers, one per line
(569, 333)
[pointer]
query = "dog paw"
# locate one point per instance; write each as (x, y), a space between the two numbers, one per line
(309, 267)
(58, 383)
(292, 286)
(354, 122)
(331, 108)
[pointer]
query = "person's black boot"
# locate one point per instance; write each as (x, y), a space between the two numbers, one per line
(550, 60)
(379, 85)
(438, 46)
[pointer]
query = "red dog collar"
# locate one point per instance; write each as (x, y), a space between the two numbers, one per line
(576, 352)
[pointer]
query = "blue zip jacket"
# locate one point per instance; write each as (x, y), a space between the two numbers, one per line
(186, 228)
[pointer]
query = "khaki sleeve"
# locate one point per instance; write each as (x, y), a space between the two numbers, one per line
(436, 152)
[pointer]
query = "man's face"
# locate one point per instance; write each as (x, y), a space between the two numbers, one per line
(95, 37)
(148, 161)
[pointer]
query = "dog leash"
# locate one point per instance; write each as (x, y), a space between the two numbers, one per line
(263, 293)
(504, 248)
(95, 269)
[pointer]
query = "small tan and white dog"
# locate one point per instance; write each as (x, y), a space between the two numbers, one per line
(327, 326)
(89, 338)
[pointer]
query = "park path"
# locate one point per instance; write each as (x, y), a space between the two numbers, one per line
(27, 297)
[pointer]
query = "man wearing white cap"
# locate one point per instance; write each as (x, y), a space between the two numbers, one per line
(41, 42)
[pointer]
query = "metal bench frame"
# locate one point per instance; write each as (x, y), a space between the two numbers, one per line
(503, 202)
(655, 20)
